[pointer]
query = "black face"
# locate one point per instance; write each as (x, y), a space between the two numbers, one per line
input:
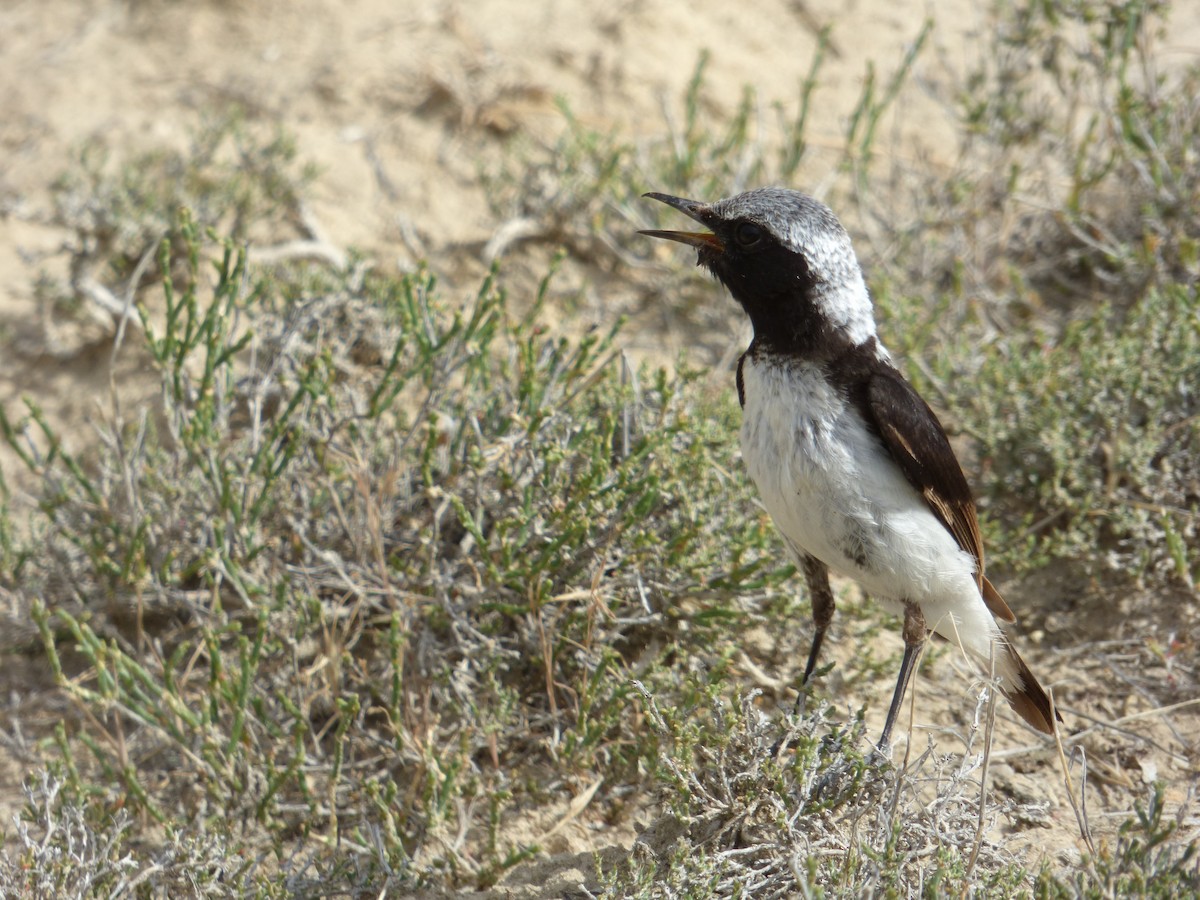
(761, 273)
(773, 283)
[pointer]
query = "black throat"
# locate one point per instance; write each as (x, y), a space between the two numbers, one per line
(777, 289)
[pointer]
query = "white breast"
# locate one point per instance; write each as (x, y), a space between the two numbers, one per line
(835, 493)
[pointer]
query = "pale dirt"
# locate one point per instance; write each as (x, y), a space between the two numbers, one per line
(399, 105)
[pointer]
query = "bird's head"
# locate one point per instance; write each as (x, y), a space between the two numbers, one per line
(788, 261)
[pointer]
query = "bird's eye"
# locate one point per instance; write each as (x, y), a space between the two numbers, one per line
(747, 234)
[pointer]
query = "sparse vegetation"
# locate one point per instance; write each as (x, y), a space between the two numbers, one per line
(366, 525)
(387, 572)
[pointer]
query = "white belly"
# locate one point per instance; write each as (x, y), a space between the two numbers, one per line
(834, 491)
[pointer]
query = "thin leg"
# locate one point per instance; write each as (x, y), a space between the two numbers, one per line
(817, 575)
(914, 639)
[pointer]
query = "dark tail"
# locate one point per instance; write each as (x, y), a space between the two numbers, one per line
(1028, 699)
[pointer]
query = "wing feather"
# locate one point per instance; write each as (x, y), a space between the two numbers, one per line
(918, 443)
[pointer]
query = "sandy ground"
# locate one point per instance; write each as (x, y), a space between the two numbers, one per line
(399, 105)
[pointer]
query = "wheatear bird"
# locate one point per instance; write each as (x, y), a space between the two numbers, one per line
(853, 466)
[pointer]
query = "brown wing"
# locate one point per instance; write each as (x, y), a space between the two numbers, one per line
(915, 438)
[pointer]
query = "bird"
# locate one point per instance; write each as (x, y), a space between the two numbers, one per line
(853, 466)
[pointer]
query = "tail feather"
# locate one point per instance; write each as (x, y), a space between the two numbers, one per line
(1027, 698)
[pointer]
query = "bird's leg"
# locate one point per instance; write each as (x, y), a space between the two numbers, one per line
(914, 639)
(816, 574)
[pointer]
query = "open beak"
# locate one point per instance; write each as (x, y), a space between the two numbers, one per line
(693, 209)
